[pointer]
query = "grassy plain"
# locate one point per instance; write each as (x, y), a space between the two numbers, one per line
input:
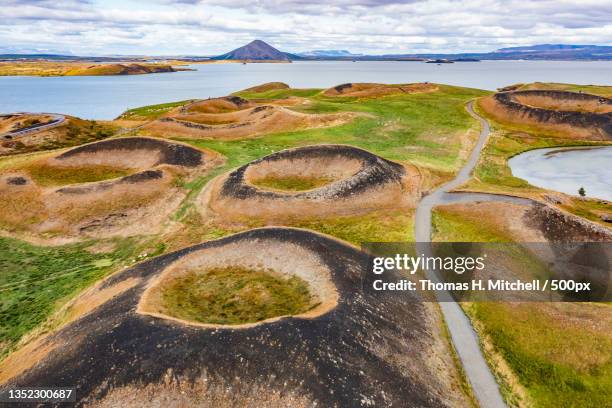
(36, 281)
(605, 91)
(151, 112)
(543, 354)
(46, 175)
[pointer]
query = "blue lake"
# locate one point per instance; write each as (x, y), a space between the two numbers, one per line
(567, 170)
(106, 97)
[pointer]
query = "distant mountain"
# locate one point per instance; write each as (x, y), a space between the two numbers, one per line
(260, 51)
(555, 52)
(328, 53)
(36, 56)
(257, 51)
(554, 47)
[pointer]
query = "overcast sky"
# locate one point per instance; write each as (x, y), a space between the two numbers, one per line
(210, 27)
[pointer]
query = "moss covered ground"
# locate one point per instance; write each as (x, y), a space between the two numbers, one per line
(235, 295)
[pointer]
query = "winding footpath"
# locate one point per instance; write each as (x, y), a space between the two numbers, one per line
(464, 337)
(56, 120)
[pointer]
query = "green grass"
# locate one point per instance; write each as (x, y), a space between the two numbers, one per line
(548, 356)
(235, 295)
(151, 112)
(35, 281)
(446, 224)
(278, 93)
(377, 226)
(493, 175)
(605, 91)
(46, 175)
(552, 350)
(291, 183)
(419, 128)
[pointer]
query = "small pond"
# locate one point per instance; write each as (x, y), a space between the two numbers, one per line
(568, 169)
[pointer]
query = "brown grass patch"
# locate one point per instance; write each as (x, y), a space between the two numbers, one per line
(25, 358)
(12, 123)
(546, 102)
(94, 297)
(86, 192)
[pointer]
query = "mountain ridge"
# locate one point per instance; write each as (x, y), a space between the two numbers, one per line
(259, 50)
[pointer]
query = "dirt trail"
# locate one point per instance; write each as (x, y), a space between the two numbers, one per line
(56, 121)
(464, 337)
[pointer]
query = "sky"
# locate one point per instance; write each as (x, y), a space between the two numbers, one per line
(211, 27)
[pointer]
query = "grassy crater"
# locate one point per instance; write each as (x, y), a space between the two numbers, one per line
(291, 183)
(46, 175)
(235, 295)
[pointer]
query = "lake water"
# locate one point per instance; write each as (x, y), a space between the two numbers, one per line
(566, 170)
(106, 97)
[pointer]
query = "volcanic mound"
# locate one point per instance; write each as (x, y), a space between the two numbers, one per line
(268, 86)
(217, 105)
(312, 180)
(207, 120)
(372, 90)
(363, 348)
(119, 186)
(575, 114)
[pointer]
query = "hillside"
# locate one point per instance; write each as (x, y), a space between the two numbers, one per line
(76, 68)
(255, 50)
(120, 69)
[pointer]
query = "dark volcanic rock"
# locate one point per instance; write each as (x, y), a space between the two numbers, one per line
(349, 357)
(171, 153)
(558, 226)
(17, 181)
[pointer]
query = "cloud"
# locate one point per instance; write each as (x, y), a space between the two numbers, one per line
(207, 27)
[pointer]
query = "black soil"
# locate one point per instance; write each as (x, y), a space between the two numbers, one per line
(375, 172)
(337, 359)
(558, 226)
(17, 181)
(602, 122)
(340, 88)
(171, 153)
